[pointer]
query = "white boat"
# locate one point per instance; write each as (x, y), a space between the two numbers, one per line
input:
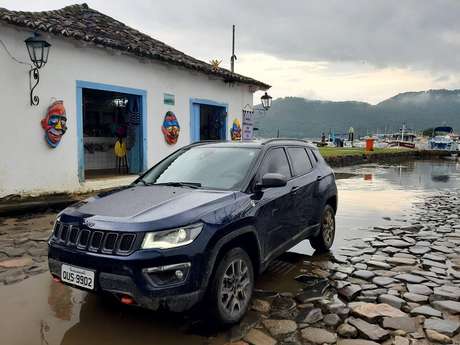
(443, 139)
(404, 138)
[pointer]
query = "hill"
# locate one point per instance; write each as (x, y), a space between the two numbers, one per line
(303, 118)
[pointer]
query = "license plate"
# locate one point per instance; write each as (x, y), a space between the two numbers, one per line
(77, 276)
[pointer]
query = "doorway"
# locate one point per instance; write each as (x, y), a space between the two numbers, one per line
(110, 121)
(209, 120)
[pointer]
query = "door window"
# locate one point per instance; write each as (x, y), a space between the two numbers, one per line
(299, 159)
(275, 162)
(212, 122)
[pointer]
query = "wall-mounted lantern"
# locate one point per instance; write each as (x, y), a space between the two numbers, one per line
(38, 52)
(266, 101)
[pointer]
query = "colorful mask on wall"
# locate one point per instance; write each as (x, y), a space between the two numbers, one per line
(170, 128)
(55, 123)
(235, 131)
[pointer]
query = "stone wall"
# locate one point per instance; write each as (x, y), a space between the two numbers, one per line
(387, 157)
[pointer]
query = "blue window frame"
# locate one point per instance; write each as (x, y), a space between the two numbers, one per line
(195, 117)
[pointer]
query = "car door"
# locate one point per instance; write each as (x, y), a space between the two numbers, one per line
(275, 205)
(303, 189)
(318, 197)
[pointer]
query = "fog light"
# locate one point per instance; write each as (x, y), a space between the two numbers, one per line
(167, 275)
(179, 274)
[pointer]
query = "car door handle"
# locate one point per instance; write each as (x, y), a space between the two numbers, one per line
(316, 185)
(295, 188)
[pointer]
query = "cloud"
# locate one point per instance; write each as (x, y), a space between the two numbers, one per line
(380, 32)
(442, 78)
(339, 45)
(334, 80)
(409, 33)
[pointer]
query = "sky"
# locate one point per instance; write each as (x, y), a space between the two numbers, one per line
(318, 49)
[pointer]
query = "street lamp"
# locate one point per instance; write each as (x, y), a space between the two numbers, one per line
(38, 52)
(266, 101)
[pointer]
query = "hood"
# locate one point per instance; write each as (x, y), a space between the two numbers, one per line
(147, 204)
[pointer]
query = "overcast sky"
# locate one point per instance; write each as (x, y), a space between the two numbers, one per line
(326, 49)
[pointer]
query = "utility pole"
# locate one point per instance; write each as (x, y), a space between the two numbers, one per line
(233, 57)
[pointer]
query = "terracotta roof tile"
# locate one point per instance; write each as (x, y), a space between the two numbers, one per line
(82, 23)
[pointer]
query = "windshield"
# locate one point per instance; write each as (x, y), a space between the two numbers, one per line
(206, 167)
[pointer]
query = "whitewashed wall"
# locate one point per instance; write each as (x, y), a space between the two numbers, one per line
(28, 165)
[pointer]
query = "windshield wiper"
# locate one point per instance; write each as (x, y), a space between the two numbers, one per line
(194, 185)
(143, 181)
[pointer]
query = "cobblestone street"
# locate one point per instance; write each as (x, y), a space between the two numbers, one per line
(241, 173)
(399, 286)
(399, 283)
(23, 246)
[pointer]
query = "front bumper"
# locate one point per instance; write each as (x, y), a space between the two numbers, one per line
(126, 276)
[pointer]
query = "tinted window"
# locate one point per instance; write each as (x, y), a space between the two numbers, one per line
(313, 154)
(275, 162)
(211, 167)
(300, 162)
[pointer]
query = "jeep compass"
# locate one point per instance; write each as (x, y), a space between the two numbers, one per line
(199, 225)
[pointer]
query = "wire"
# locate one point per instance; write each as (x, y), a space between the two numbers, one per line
(12, 57)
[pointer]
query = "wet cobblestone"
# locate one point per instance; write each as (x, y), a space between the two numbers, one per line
(23, 246)
(400, 285)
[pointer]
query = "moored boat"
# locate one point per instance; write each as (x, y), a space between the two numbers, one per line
(443, 139)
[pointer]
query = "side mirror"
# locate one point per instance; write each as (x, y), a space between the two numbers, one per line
(272, 180)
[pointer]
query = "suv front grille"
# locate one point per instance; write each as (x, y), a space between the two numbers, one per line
(97, 241)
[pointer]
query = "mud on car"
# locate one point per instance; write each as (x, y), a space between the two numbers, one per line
(199, 225)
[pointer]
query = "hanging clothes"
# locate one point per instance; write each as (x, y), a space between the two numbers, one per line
(120, 148)
(134, 120)
(120, 154)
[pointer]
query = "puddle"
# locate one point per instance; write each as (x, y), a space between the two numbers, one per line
(382, 195)
(39, 311)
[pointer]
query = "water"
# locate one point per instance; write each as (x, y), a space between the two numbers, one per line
(39, 311)
(373, 195)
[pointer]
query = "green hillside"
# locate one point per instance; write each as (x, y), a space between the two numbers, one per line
(302, 118)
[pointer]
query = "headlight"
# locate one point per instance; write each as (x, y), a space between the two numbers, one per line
(171, 238)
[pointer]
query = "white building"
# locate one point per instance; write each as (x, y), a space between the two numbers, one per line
(112, 79)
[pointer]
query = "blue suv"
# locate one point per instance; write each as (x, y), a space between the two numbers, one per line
(200, 224)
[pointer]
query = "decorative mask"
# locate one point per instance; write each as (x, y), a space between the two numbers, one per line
(54, 123)
(170, 128)
(235, 131)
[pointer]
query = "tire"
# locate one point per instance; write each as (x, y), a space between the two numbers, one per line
(230, 298)
(325, 238)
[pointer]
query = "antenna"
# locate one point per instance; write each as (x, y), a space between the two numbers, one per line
(233, 57)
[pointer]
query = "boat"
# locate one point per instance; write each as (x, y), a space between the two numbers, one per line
(404, 138)
(443, 139)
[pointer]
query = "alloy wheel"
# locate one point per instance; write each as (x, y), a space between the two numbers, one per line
(235, 288)
(328, 228)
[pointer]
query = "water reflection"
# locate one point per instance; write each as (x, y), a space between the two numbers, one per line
(376, 195)
(39, 311)
(59, 300)
(103, 322)
(420, 175)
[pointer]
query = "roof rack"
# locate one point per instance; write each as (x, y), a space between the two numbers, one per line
(201, 142)
(284, 139)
